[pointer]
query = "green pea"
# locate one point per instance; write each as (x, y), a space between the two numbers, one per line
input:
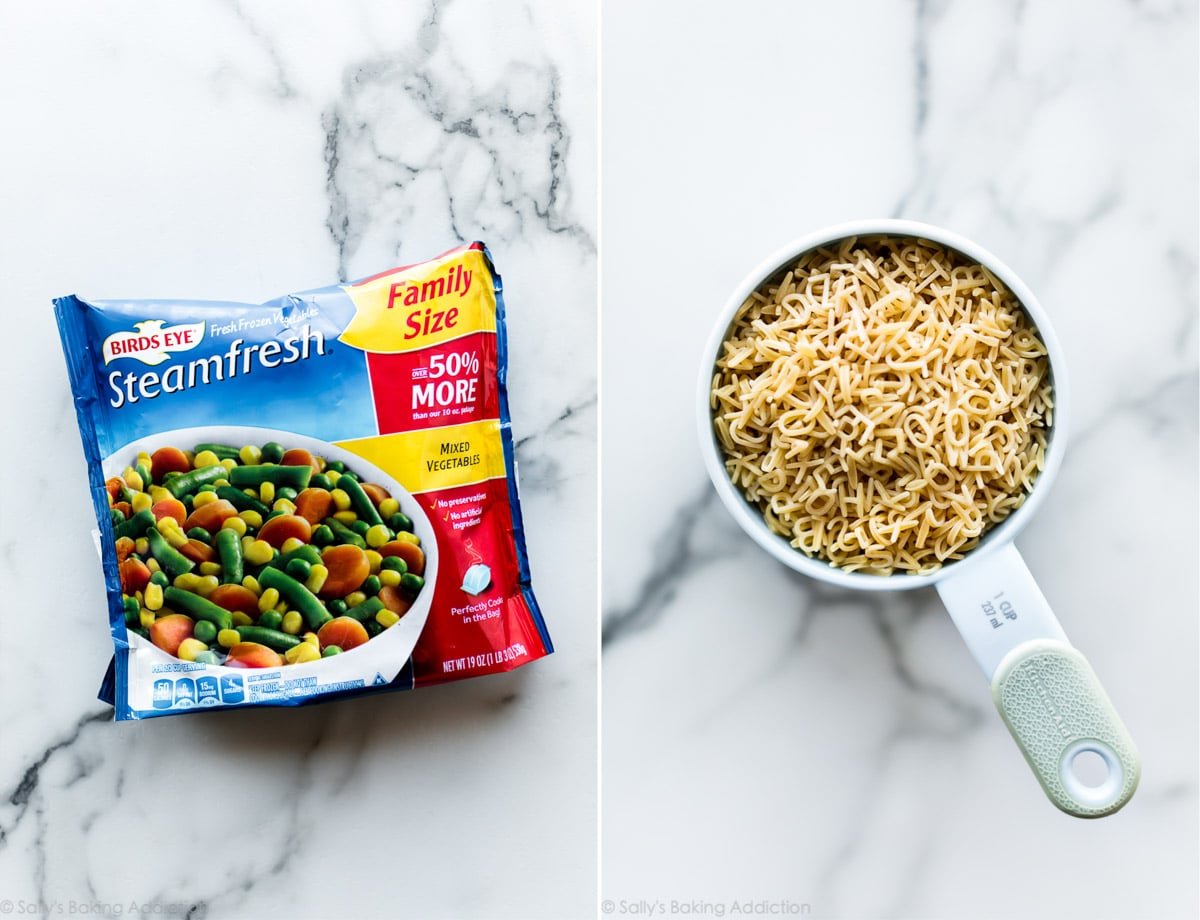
(370, 586)
(205, 631)
(373, 628)
(320, 481)
(299, 569)
(412, 583)
(349, 474)
(335, 466)
(160, 578)
(171, 475)
(360, 527)
(132, 610)
(322, 535)
(337, 607)
(286, 492)
(272, 619)
(400, 522)
(330, 650)
(208, 656)
(272, 452)
(199, 533)
(394, 564)
(117, 515)
(273, 514)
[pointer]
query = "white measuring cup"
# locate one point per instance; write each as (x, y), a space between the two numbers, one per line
(1044, 689)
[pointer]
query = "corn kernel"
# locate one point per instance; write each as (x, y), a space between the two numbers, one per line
(267, 600)
(312, 639)
(341, 499)
(333, 476)
(236, 524)
(152, 565)
(220, 482)
(186, 582)
(132, 478)
(154, 596)
(175, 536)
(316, 578)
(266, 492)
(210, 568)
(203, 498)
(139, 597)
(229, 463)
(389, 577)
(284, 505)
(388, 507)
(144, 459)
(378, 535)
(141, 546)
(281, 608)
(320, 462)
(260, 552)
(189, 648)
(405, 537)
(251, 491)
(207, 585)
(302, 653)
(141, 502)
(191, 457)
(292, 623)
(158, 494)
(291, 544)
(205, 458)
(375, 560)
(228, 638)
(355, 598)
(250, 583)
(250, 455)
(345, 517)
(252, 519)
(240, 619)
(387, 618)
(146, 618)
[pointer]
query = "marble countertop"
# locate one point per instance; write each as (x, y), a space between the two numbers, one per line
(242, 150)
(766, 739)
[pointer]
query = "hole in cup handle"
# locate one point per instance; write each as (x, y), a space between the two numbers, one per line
(1044, 689)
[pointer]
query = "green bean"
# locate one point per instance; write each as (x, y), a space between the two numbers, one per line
(241, 500)
(271, 638)
(309, 554)
(197, 607)
(343, 534)
(135, 526)
(172, 560)
(298, 597)
(365, 612)
(359, 500)
(144, 471)
(295, 476)
(373, 628)
(117, 516)
(186, 483)
(223, 451)
(228, 545)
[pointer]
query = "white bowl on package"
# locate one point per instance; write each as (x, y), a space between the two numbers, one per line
(383, 655)
(1040, 683)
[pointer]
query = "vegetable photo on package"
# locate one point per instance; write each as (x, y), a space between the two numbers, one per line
(369, 538)
(259, 556)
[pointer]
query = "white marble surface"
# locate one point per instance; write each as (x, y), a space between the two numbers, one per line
(242, 151)
(768, 739)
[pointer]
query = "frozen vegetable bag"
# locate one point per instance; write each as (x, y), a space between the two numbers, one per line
(306, 498)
